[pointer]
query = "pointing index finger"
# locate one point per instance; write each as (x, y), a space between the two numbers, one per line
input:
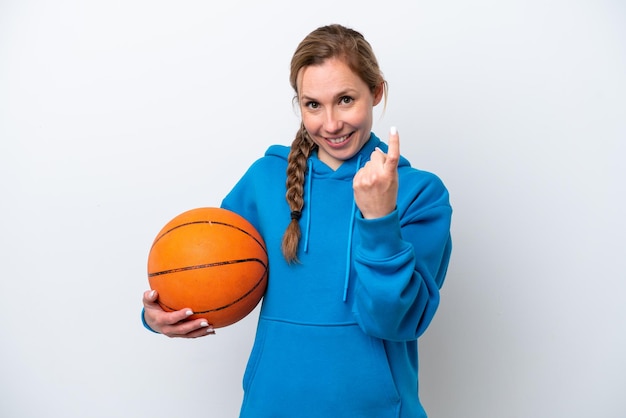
(393, 151)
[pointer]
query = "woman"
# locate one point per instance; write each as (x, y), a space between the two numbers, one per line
(358, 249)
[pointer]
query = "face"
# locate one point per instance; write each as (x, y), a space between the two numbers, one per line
(337, 109)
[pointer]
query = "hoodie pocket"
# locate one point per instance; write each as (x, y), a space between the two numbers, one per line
(318, 371)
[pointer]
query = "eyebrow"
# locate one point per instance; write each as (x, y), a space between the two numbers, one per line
(342, 93)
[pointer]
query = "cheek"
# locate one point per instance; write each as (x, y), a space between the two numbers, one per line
(310, 122)
(361, 118)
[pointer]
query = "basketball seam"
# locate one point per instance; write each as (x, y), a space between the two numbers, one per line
(201, 266)
(232, 303)
(211, 222)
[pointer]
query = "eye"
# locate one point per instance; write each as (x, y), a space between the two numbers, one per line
(312, 105)
(345, 100)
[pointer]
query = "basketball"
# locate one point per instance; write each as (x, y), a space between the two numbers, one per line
(212, 261)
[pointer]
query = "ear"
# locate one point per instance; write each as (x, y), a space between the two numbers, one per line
(378, 92)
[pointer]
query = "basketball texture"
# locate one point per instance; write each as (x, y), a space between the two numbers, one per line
(212, 261)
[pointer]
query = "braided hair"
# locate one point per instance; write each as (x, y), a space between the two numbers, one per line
(332, 41)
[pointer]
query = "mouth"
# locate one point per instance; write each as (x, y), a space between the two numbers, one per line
(340, 140)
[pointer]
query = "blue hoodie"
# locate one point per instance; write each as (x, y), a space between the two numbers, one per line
(337, 332)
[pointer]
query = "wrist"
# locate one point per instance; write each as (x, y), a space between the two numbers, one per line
(145, 324)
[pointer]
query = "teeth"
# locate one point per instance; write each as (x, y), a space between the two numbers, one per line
(337, 140)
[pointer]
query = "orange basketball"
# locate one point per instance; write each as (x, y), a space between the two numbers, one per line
(212, 261)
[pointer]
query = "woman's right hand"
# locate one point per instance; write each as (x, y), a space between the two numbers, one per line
(173, 324)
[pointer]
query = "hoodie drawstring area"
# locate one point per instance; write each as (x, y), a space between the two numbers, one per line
(308, 211)
(307, 227)
(350, 233)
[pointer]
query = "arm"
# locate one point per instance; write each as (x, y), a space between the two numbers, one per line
(400, 270)
(404, 248)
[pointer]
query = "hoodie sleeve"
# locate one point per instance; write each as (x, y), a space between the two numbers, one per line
(253, 188)
(240, 199)
(401, 261)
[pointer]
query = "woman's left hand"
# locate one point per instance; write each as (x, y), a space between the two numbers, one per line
(376, 184)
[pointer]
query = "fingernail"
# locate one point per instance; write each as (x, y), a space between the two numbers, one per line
(204, 324)
(210, 330)
(189, 313)
(152, 294)
(393, 130)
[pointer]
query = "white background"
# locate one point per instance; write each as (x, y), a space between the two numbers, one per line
(116, 116)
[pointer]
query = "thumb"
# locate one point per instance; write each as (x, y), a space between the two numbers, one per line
(150, 296)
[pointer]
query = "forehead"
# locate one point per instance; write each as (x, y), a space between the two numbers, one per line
(331, 77)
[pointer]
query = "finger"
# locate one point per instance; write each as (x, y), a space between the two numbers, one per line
(200, 331)
(203, 332)
(393, 151)
(378, 157)
(179, 316)
(150, 296)
(189, 329)
(202, 328)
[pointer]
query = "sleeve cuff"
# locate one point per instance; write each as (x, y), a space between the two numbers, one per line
(143, 321)
(382, 235)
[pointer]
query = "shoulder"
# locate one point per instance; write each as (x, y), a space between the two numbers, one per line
(416, 177)
(278, 151)
(421, 190)
(275, 157)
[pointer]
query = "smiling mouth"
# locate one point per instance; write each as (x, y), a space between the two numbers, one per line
(339, 140)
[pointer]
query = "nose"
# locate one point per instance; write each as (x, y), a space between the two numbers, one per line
(332, 123)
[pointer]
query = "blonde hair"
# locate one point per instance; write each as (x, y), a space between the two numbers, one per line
(332, 41)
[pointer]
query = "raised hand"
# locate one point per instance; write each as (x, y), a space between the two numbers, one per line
(376, 184)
